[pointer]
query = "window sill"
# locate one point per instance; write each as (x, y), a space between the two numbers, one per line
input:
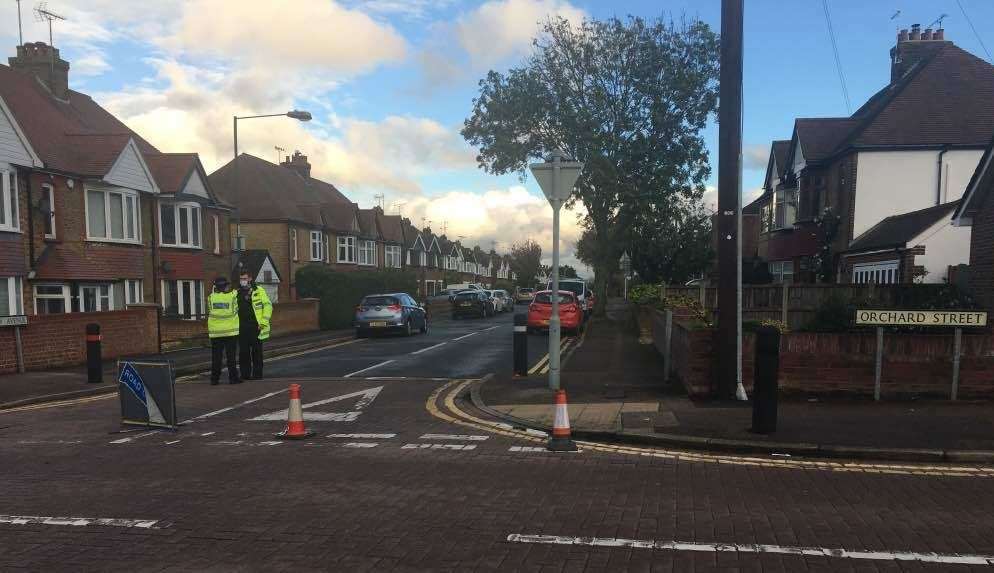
(11, 230)
(115, 242)
(340, 262)
(181, 247)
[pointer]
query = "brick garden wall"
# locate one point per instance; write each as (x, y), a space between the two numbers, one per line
(288, 318)
(51, 341)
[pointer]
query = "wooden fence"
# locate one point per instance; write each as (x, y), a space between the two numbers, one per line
(795, 305)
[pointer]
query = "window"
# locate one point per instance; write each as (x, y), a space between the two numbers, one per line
(782, 271)
(346, 250)
(877, 273)
(317, 246)
(327, 250)
(51, 299)
(391, 256)
(367, 252)
(11, 301)
(47, 205)
(786, 208)
(112, 215)
(293, 244)
(423, 258)
(133, 291)
(215, 225)
(267, 276)
(180, 225)
(95, 298)
(183, 298)
(9, 220)
(765, 222)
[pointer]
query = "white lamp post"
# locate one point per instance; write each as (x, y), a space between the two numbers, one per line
(626, 267)
(556, 177)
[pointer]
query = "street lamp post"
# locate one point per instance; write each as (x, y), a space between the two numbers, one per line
(556, 178)
(295, 114)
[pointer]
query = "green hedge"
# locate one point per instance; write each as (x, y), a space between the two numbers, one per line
(340, 292)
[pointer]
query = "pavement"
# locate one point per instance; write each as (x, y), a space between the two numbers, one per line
(404, 473)
(617, 393)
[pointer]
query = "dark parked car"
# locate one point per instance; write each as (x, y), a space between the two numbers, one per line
(471, 303)
(390, 312)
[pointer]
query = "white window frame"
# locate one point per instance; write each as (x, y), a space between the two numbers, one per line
(317, 246)
(423, 257)
(9, 200)
(777, 268)
(882, 272)
(193, 211)
(125, 195)
(367, 253)
(99, 296)
(785, 210)
(216, 226)
(349, 244)
(49, 191)
(136, 286)
(15, 295)
(65, 296)
(293, 245)
(181, 303)
(391, 256)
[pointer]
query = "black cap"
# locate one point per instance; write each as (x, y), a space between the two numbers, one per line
(220, 282)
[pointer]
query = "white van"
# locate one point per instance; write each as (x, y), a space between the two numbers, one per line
(579, 288)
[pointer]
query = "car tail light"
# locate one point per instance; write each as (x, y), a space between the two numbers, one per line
(394, 307)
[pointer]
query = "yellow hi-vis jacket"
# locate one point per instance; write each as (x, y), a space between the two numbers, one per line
(222, 314)
(263, 309)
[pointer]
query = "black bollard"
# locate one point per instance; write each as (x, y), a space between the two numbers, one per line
(765, 386)
(94, 362)
(521, 344)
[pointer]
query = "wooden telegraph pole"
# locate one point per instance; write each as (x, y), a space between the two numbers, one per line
(730, 200)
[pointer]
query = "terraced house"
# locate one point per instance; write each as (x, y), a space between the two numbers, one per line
(93, 217)
(891, 172)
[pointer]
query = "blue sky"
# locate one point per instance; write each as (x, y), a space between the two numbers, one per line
(390, 82)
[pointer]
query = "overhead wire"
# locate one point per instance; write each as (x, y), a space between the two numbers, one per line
(835, 51)
(972, 27)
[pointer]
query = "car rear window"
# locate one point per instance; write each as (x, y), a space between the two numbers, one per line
(546, 298)
(526, 290)
(380, 301)
(467, 296)
(576, 288)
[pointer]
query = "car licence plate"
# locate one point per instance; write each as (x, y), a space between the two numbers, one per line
(466, 304)
(545, 323)
(377, 323)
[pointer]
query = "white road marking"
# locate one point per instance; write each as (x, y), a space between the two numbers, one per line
(360, 445)
(438, 447)
(463, 437)
(351, 374)
(230, 408)
(79, 521)
(205, 434)
(429, 348)
(945, 558)
(133, 438)
(526, 449)
(365, 398)
(466, 336)
(537, 433)
(40, 442)
(364, 436)
(271, 443)
(173, 442)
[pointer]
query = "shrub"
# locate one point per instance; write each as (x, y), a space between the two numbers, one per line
(836, 313)
(340, 292)
(644, 294)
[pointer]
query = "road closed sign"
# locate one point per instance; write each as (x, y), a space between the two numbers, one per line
(949, 318)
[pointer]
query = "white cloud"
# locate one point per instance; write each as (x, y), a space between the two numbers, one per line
(501, 29)
(755, 156)
(711, 197)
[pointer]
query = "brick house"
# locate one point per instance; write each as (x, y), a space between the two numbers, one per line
(84, 199)
(976, 212)
(391, 230)
(435, 267)
(912, 146)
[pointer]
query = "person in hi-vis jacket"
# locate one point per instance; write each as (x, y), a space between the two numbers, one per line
(222, 328)
(254, 314)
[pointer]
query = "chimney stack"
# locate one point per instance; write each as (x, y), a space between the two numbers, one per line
(939, 34)
(912, 48)
(298, 162)
(916, 32)
(43, 61)
(927, 34)
(902, 36)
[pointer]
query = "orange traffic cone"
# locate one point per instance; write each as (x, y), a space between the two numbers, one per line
(294, 418)
(560, 440)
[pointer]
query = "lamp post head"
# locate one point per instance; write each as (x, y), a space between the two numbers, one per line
(299, 115)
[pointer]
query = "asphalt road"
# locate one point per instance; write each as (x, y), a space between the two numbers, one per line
(402, 474)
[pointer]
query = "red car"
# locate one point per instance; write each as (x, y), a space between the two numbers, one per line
(540, 311)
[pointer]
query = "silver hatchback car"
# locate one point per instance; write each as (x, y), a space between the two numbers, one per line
(395, 312)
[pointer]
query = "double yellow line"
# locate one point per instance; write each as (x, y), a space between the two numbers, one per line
(542, 366)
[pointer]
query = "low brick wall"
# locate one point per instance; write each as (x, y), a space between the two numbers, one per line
(179, 333)
(840, 363)
(288, 318)
(53, 341)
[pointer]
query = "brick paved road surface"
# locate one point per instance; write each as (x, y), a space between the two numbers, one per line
(392, 496)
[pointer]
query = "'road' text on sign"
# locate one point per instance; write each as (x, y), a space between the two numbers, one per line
(955, 318)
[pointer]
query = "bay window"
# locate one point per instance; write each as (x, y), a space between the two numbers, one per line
(11, 301)
(9, 219)
(47, 204)
(782, 271)
(112, 215)
(183, 298)
(317, 246)
(367, 253)
(179, 225)
(52, 299)
(786, 208)
(95, 298)
(391, 256)
(327, 250)
(133, 291)
(346, 250)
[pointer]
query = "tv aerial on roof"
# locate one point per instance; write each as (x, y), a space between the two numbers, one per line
(42, 13)
(938, 21)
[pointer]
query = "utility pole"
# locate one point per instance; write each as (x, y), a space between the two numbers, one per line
(729, 345)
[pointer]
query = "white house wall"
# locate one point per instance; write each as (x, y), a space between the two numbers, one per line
(195, 186)
(13, 149)
(799, 162)
(945, 245)
(895, 182)
(130, 171)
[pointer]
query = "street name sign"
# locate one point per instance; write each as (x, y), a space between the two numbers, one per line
(16, 320)
(948, 318)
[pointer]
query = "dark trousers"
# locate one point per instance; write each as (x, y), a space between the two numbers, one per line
(250, 355)
(226, 346)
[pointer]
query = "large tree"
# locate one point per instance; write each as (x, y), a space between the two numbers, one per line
(629, 98)
(526, 262)
(672, 247)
